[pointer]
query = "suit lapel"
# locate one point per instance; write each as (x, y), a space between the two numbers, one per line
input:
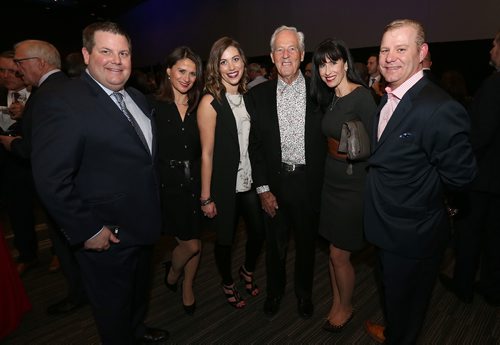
(403, 108)
(141, 102)
(105, 100)
(110, 107)
(153, 130)
(273, 101)
(146, 109)
(308, 120)
(376, 120)
(399, 114)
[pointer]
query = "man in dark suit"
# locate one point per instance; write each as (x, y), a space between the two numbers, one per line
(44, 75)
(94, 167)
(376, 82)
(16, 183)
(478, 231)
(287, 155)
(426, 68)
(420, 145)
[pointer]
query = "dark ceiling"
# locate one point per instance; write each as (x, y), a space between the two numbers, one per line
(57, 21)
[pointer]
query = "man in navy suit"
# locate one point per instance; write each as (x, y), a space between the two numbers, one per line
(94, 167)
(420, 146)
(39, 64)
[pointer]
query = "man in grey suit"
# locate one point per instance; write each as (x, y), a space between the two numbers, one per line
(420, 146)
(94, 167)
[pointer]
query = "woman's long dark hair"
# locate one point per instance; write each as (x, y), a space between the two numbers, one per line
(334, 50)
(213, 82)
(166, 93)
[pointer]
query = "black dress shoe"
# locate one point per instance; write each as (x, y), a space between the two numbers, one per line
(272, 305)
(154, 335)
(63, 307)
(449, 285)
(305, 307)
(327, 326)
(171, 287)
(189, 309)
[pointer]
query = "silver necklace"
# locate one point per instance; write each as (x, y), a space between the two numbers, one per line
(232, 103)
(335, 99)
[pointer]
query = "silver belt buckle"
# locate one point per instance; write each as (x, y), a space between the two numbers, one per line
(288, 167)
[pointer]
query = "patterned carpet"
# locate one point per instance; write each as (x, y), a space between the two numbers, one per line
(215, 322)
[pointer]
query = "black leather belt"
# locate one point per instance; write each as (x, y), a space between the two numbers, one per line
(185, 165)
(292, 167)
(179, 164)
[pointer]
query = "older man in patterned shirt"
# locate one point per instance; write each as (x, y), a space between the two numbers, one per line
(287, 153)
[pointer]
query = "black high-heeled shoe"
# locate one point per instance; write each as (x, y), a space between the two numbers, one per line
(330, 327)
(250, 285)
(189, 309)
(168, 266)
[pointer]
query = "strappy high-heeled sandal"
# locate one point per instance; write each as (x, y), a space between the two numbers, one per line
(233, 296)
(250, 285)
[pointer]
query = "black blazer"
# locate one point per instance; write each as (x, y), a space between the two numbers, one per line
(90, 167)
(266, 143)
(22, 147)
(424, 147)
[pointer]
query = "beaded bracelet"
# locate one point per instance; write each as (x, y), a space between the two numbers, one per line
(206, 202)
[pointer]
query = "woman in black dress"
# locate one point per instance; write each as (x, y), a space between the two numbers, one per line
(179, 161)
(342, 96)
(226, 175)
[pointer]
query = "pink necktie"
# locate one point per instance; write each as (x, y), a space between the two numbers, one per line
(386, 112)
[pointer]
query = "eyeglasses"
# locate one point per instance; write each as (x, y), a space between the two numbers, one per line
(18, 61)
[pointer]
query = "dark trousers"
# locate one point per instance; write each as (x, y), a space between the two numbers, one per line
(117, 282)
(69, 265)
(248, 207)
(18, 192)
(294, 214)
(407, 286)
(478, 231)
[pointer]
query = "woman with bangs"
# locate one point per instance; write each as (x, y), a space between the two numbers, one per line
(342, 96)
(227, 191)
